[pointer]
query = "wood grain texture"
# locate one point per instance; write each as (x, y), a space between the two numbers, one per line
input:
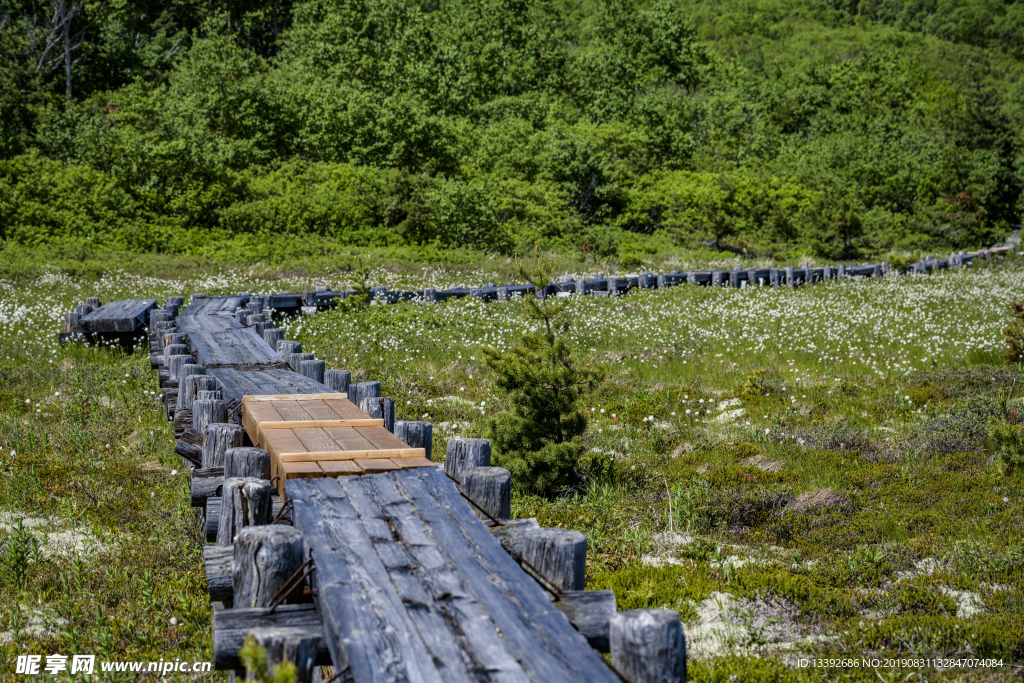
(232, 626)
(416, 435)
(218, 438)
(245, 502)
(539, 635)
(205, 483)
(219, 565)
(264, 558)
(381, 408)
(490, 488)
(648, 646)
(590, 612)
(121, 317)
(367, 625)
(465, 453)
(246, 462)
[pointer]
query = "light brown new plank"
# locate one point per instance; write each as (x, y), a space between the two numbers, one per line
(315, 440)
(339, 467)
(308, 456)
(279, 441)
(303, 424)
(292, 411)
(410, 462)
(254, 414)
(295, 470)
(340, 404)
(372, 465)
(348, 439)
(261, 398)
(381, 438)
(319, 410)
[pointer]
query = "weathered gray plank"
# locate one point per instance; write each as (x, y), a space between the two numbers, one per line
(117, 317)
(444, 626)
(368, 627)
(541, 637)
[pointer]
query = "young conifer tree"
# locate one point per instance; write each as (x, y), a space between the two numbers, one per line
(539, 439)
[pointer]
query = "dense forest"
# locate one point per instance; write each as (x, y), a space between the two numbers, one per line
(838, 128)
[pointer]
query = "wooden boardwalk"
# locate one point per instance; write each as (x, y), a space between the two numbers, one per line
(409, 583)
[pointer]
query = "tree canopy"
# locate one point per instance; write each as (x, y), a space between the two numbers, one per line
(760, 126)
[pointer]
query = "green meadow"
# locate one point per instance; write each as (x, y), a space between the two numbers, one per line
(801, 473)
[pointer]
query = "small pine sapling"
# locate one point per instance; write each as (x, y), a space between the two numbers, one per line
(362, 299)
(1013, 348)
(254, 658)
(1007, 437)
(538, 441)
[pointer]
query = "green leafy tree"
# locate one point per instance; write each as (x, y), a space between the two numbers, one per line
(539, 439)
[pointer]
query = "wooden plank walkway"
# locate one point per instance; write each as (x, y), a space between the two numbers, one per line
(411, 586)
(117, 317)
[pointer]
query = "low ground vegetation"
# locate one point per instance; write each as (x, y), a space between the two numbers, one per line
(797, 472)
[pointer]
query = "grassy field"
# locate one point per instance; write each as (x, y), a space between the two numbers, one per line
(798, 472)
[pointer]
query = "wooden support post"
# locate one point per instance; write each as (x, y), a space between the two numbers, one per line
(219, 437)
(169, 338)
(246, 462)
(590, 612)
(465, 453)
(172, 309)
(71, 322)
(205, 483)
(313, 369)
(360, 390)
(380, 409)
(490, 488)
(186, 387)
(272, 336)
(295, 358)
(338, 380)
(648, 646)
(286, 348)
(179, 300)
(245, 503)
(205, 412)
(172, 349)
(174, 364)
(157, 315)
(416, 434)
(559, 554)
(191, 453)
(213, 505)
(298, 647)
(94, 302)
(265, 558)
(232, 626)
(209, 395)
